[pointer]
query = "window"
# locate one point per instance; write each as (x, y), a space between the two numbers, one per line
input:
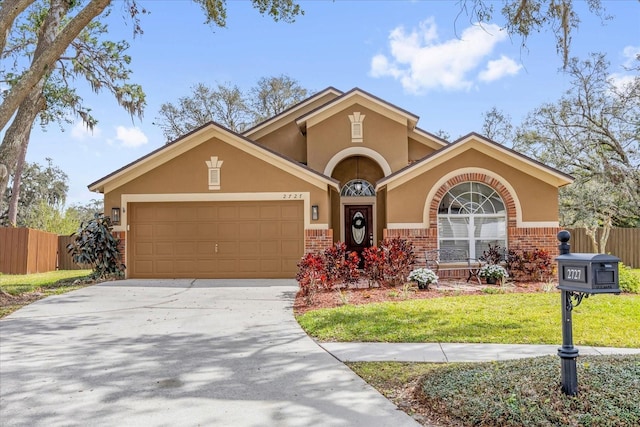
(358, 188)
(471, 216)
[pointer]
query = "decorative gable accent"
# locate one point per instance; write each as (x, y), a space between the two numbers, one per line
(357, 134)
(214, 166)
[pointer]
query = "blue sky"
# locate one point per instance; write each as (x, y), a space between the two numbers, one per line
(418, 55)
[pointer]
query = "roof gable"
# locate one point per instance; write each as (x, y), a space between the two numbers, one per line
(475, 141)
(359, 96)
(274, 123)
(199, 136)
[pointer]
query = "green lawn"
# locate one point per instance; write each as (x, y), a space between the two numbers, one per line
(26, 288)
(601, 320)
(523, 392)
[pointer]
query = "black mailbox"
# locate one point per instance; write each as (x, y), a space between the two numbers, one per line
(589, 273)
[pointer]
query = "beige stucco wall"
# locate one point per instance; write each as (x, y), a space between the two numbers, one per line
(538, 200)
(288, 141)
(284, 136)
(418, 150)
(240, 173)
(381, 134)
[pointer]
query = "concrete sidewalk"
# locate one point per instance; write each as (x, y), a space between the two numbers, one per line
(451, 352)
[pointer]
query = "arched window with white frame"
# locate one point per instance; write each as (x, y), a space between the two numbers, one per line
(472, 216)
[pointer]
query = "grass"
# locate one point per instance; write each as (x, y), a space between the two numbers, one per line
(512, 393)
(24, 289)
(535, 318)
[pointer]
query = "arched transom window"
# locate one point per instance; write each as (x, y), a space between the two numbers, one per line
(471, 216)
(358, 188)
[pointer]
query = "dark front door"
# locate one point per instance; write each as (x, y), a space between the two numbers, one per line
(358, 229)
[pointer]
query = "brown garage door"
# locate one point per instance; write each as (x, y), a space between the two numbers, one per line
(215, 239)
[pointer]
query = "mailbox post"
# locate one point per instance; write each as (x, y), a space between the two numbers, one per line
(579, 275)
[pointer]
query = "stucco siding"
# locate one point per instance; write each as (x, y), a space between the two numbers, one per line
(240, 173)
(287, 140)
(381, 134)
(538, 200)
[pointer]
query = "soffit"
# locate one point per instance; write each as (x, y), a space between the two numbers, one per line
(428, 139)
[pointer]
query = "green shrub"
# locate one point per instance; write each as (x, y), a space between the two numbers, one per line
(96, 246)
(629, 280)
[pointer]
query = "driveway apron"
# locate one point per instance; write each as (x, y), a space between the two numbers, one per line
(176, 353)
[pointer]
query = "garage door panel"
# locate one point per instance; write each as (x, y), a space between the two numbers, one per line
(248, 231)
(290, 229)
(164, 249)
(250, 212)
(166, 213)
(269, 230)
(228, 249)
(143, 249)
(165, 231)
(270, 212)
(290, 212)
(249, 248)
(164, 266)
(269, 247)
(215, 239)
(204, 249)
(227, 212)
(289, 248)
(186, 229)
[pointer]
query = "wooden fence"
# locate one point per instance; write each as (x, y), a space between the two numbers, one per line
(65, 260)
(25, 251)
(623, 243)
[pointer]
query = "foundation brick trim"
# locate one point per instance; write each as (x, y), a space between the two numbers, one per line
(317, 240)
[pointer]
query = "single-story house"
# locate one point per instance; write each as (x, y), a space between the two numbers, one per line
(339, 166)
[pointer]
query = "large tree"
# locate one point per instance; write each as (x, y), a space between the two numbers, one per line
(60, 23)
(102, 63)
(229, 106)
(593, 133)
(525, 17)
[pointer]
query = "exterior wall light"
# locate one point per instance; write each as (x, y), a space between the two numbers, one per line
(315, 212)
(115, 216)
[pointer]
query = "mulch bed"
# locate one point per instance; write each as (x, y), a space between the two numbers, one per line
(361, 293)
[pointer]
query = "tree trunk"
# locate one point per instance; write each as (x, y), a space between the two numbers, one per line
(8, 13)
(14, 144)
(592, 232)
(17, 174)
(43, 63)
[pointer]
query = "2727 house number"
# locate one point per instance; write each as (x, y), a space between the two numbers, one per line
(574, 274)
(292, 196)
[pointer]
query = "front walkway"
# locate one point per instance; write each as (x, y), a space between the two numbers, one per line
(451, 352)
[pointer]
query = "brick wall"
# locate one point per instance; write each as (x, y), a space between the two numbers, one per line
(317, 240)
(122, 246)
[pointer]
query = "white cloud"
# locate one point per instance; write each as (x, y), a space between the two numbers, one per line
(621, 81)
(131, 137)
(499, 68)
(421, 62)
(80, 132)
(630, 53)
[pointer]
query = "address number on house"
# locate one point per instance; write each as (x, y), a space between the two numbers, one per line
(574, 274)
(292, 196)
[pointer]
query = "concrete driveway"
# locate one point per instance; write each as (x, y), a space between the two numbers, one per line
(176, 353)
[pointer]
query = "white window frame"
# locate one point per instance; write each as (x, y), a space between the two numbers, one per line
(471, 216)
